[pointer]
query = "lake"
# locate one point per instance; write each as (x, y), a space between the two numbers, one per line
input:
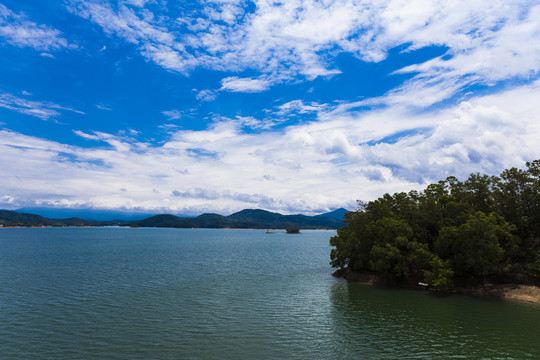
(120, 293)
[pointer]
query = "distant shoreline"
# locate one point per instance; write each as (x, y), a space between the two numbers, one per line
(506, 291)
(157, 227)
(244, 219)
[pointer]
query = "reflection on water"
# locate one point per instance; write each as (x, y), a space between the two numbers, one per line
(227, 294)
(375, 322)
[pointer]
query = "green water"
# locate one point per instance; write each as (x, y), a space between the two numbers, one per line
(111, 293)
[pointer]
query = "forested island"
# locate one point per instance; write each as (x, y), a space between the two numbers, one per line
(452, 234)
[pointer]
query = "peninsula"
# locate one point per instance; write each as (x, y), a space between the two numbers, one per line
(469, 236)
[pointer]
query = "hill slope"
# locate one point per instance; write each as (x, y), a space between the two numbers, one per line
(248, 218)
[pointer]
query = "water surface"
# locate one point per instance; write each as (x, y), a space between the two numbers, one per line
(116, 293)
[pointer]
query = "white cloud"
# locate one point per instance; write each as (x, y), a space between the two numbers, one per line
(253, 123)
(487, 42)
(172, 114)
(87, 136)
(298, 106)
(41, 109)
(501, 46)
(304, 168)
(136, 27)
(17, 30)
(103, 107)
(139, 3)
(206, 95)
(236, 84)
(120, 144)
(346, 154)
(47, 55)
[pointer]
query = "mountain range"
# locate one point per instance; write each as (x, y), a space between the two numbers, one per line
(244, 219)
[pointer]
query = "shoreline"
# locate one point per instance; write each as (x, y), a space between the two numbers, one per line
(504, 291)
(154, 227)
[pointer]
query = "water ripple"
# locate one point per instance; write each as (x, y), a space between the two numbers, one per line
(227, 294)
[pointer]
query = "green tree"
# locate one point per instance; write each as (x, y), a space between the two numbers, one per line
(473, 248)
(484, 226)
(353, 242)
(394, 251)
(440, 274)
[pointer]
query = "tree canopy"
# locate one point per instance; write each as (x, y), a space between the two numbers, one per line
(483, 227)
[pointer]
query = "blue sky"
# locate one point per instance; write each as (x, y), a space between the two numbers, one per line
(292, 106)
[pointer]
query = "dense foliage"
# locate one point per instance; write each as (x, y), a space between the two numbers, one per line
(245, 219)
(484, 227)
(13, 218)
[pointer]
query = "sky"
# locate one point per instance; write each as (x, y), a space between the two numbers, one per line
(296, 106)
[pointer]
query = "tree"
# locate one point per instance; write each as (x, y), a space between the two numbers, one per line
(440, 274)
(352, 243)
(484, 226)
(473, 248)
(394, 251)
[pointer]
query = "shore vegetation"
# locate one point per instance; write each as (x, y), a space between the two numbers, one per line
(486, 228)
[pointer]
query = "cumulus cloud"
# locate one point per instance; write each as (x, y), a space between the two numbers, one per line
(19, 31)
(305, 168)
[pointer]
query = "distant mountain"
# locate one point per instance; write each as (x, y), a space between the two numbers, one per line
(249, 218)
(336, 214)
(7, 216)
(164, 220)
(14, 218)
(88, 214)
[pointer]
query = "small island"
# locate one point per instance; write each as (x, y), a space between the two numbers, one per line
(479, 236)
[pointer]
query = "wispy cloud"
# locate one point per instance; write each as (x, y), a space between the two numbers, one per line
(19, 31)
(119, 143)
(301, 154)
(87, 136)
(206, 95)
(236, 84)
(136, 27)
(486, 42)
(208, 194)
(501, 46)
(299, 107)
(41, 109)
(172, 114)
(304, 168)
(103, 107)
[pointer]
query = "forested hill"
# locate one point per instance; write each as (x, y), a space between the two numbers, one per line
(249, 218)
(486, 227)
(13, 218)
(258, 219)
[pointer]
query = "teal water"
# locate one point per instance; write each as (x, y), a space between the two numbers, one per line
(113, 293)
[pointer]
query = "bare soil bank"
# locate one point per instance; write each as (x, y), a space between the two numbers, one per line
(516, 292)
